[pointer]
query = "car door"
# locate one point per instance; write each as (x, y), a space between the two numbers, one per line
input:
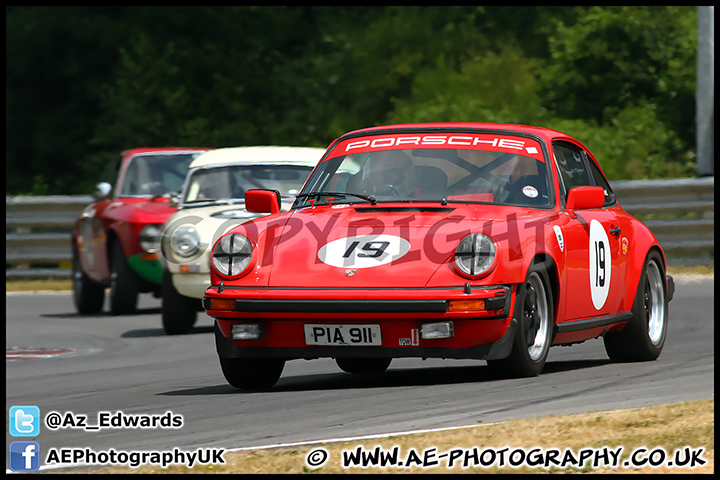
(594, 271)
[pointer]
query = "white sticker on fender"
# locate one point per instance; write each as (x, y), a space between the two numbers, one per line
(363, 251)
(600, 264)
(559, 236)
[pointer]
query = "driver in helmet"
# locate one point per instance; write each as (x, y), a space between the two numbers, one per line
(389, 171)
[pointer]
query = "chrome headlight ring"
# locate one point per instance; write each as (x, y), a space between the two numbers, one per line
(232, 255)
(475, 255)
(185, 241)
(149, 238)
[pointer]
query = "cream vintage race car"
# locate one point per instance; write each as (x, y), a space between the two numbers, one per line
(212, 202)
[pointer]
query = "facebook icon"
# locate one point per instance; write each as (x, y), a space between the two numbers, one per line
(24, 456)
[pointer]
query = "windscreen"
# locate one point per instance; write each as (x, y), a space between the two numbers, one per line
(232, 181)
(156, 175)
(481, 168)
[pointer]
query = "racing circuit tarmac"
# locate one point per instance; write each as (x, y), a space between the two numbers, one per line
(128, 364)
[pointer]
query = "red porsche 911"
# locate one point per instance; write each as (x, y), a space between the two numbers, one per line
(440, 240)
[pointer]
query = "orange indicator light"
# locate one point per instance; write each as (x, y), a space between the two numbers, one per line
(222, 304)
(466, 305)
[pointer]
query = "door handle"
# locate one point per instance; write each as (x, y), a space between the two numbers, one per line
(615, 231)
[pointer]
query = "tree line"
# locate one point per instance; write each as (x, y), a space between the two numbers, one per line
(84, 83)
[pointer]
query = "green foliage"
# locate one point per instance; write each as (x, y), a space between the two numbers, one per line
(383, 58)
(84, 83)
(55, 57)
(635, 144)
(619, 56)
(492, 87)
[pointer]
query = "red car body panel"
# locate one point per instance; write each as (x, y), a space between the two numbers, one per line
(289, 283)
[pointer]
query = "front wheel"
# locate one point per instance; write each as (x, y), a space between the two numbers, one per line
(363, 365)
(535, 313)
(123, 283)
(179, 313)
(88, 296)
(252, 373)
(643, 337)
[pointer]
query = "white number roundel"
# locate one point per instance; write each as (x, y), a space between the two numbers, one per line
(363, 251)
(600, 264)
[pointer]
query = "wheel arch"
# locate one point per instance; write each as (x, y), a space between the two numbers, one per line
(635, 272)
(551, 270)
(112, 237)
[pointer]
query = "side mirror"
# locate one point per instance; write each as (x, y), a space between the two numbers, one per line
(102, 191)
(262, 201)
(174, 199)
(581, 198)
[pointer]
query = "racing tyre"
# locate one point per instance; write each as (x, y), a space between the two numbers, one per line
(88, 296)
(643, 337)
(178, 312)
(535, 313)
(123, 283)
(363, 365)
(252, 373)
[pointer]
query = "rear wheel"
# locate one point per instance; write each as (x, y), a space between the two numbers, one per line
(123, 283)
(363, 365)
(179, 313)
(88, 296)
(643, 337)
(252, 373)
(535, 313)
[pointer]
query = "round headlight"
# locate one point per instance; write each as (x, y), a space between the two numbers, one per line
(185, 240)
(150, 238)
(232, 255)
(475, 254)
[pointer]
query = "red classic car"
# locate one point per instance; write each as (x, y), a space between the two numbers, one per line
(116, 239)
(445, 240)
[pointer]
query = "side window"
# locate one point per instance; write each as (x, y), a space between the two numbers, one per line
(600, 181)
(131, 184)
(571, 167)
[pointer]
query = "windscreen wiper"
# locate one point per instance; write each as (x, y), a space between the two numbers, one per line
(369, 198)
(217, 201)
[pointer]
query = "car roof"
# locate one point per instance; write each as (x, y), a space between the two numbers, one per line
(140, 150)
(545, 133)
(259, 154)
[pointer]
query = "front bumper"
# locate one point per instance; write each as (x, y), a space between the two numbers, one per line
(283, 314)
(148, 266)
(191, 285)
(670, 287)
(500, 348)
